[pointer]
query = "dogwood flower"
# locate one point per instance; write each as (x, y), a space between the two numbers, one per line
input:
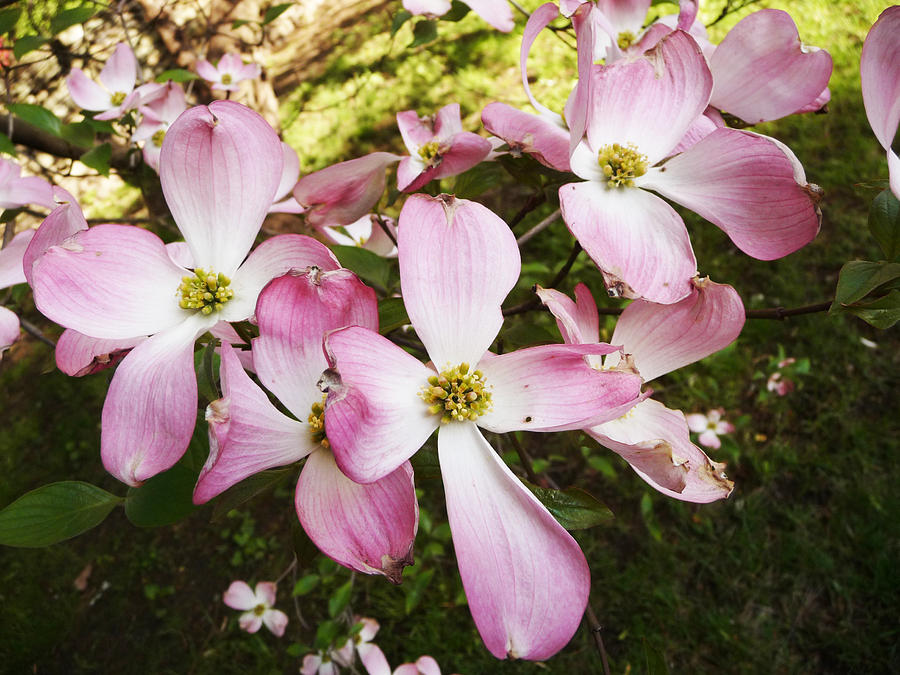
(881, 85)
(457, 262)
(710, 426)
(156, 117)
(219, 168)
(424, 665)
(366, 233)
(258, 605)
(228, 72)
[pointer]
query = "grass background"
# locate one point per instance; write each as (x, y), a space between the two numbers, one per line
(795, 573)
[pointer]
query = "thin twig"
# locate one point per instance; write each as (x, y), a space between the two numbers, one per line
(35, 332)
(385, 228)
(527, 464)
(540, 227)
(290, 568)
(596, 629)
(531, 204)
(535, 302)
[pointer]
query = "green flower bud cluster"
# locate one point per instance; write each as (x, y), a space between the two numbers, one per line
(456, 394)
(621, 164)
(206, 291)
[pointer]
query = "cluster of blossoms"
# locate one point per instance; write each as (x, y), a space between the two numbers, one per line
(648, 118)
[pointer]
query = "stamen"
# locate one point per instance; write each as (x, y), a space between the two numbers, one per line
(206, 291)
(430, 152)
(226, 78)
(316, 421)
(621, 164)
(158, 137)
(456, 394)
(118, 97)
(625, 40)
(259, 610)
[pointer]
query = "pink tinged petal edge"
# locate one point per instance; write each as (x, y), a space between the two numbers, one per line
(86, 93)
(655, 441)
(710, 439)
(276, 621)
(111, 281)
(747, 185)
(663, 338)
(271, 259)
(219, 168)
(553, 388)
(525, 577)
(531, 134)
(11, 256)
(343, 193)
(637, 240)
(496, 14)
(64, 221)
(762, 71)
(250, 622)
(9, 328)
(894, 172)
(652, 101)
(881, 78)
(290, 172)
(448, 122)
(412, 174)
(373, 659)
(207, 71)
(247, 434)
(429, 7)
(294, 312)
(369, 528)
(578, 321)
(239, 596)
(466, 150)
(78, 355)
(427, 666)
(414, 130)
(265, 593)
(374, 417)
(120, 72)
(151, 406)
(539, 19)
(473, 256)
(27, 190)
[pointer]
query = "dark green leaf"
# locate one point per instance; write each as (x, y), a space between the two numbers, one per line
(527, 334)
(477, 180)
(36, 115)
(8, 19)
(574, 508)
(275, 11)
(367, 265)
(70, 17)
(206, 365)
(304, 548)
(523, 169)
(326, 634)
(306, 584)
(426, 464)
(164, 499)
(424, 31)
(7, 145)
(400, 18)
(176, 75)
(340, 599)
(884, 223)
(26, 44)
(98, 158)
(654, 660)
(882, 313)
(237, 23)
(9, 215)
(249, 488)
(457, 11)
(416, 590)
(78, 133)
(53, 513)
(99, 126)
(858, 278)
(391, 314)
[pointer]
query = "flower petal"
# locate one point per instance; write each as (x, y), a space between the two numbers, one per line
(290, 172)
(374, 417)
(250, 622)
(120, 71)
(111, 281)
(219, 167)
(881, 77)
(79, 355)
(12, 271)
(578, 321)
(539, 19)
(466, 150)
(663, 338)
(151, 406)
(746, 184)
(265, 593)
(239, 596)
(64, 221)
(535, 135)
(369, 528)
(276, 621)
(458, 261)
(247, 434)
(526, 579)
(86, 93)
(497, 14)
(553, 388)
(9, 328)
(637, 240)
(761, 70)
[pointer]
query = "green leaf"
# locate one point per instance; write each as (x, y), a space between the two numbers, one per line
(247, 489)
(424, 31)
(176, 75)
(98, 158)
(326, 634)
(206, 365)
(340, 599)
(275, 11)
(654, 660)
(306, 584)
(26, 44)
(426, 464)
(400, 18)
(367, 265)
(99, 126)
(882, 313)
(78, 133)
(9, 215)
(457, 12)
(7, 145)
(164, 499)
(391, 314)
(477, 180)
(36, 115)
(574, 508)
(237, 23)
(53, 513)
(416, 590)
(8, 19)
(858, 278)
(884, 223)
(70, 17)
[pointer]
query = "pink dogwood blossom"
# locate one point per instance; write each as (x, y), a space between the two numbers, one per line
(16, 190)
(457, 262)
(258, 605)
(710, 426)
(219, 168)
(156, 117)
(424, 665)
(228, 73)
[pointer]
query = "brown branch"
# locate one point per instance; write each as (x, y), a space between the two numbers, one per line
(535, 302)
(596, 629)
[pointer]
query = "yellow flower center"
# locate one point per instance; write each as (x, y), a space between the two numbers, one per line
(316, 421)
(456, 394)
(625, 40)
(118, 97)
(259, 610)
(621, 164)
(206, 291)
(430, 152)
(226, 78)
(158, 137)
